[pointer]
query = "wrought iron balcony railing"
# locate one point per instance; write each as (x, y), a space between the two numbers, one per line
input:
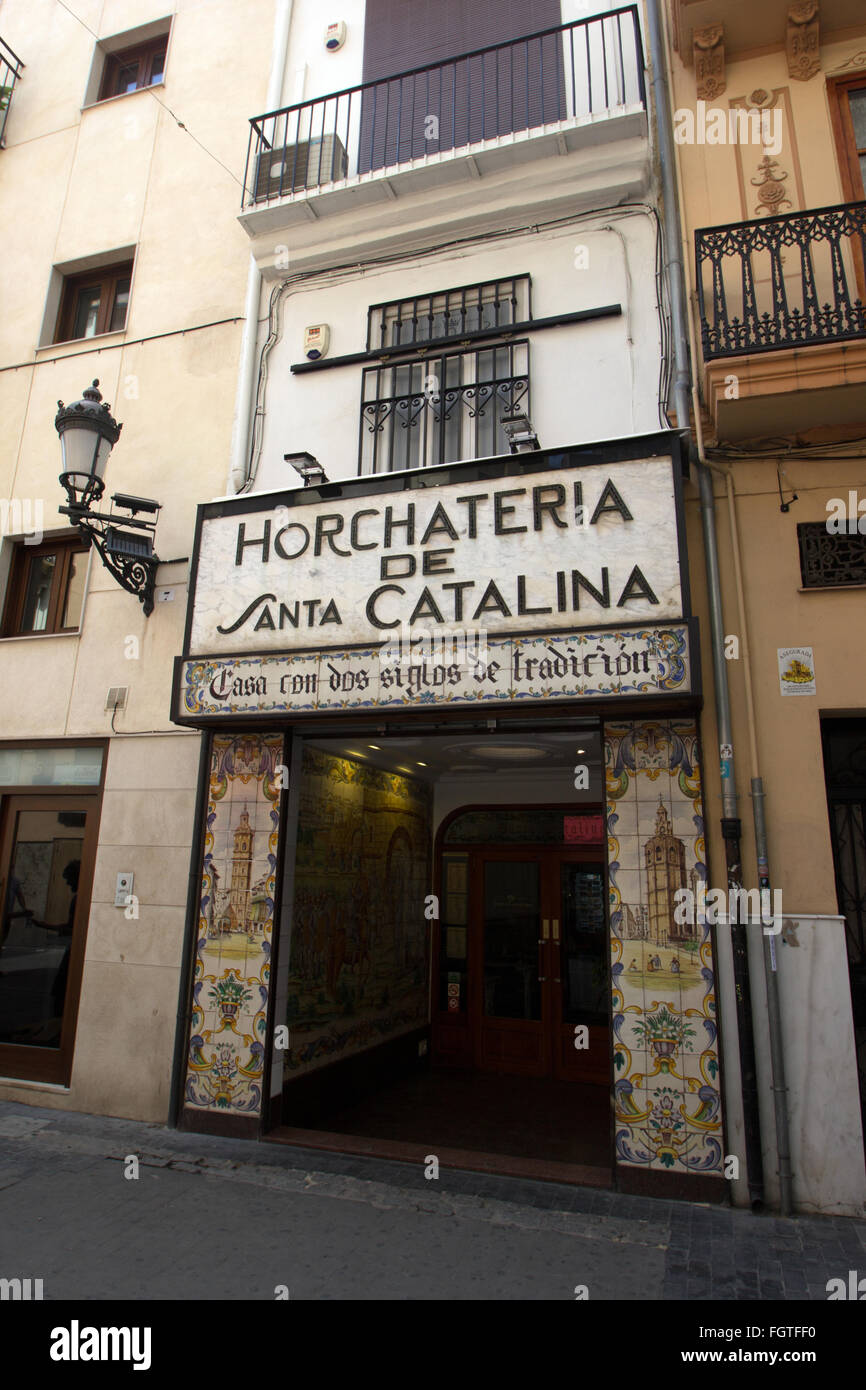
(586, 68)
(11, 68)
(789, 281)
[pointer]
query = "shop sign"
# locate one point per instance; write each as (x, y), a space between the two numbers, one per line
(621, 663)
(570, 548)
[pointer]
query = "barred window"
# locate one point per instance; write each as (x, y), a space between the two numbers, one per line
(829, 559)
(485, 307)
(442, 408)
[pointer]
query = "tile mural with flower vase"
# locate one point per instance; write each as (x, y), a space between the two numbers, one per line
(667, 1090)
(235, 926)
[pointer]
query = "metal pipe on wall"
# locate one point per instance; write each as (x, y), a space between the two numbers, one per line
(239, 466)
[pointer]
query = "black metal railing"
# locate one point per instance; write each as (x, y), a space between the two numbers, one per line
(487, 306)
(443, 408)
(782, 282)
(11, 68)
(580, 69)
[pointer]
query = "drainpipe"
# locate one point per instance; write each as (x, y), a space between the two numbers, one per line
(730, 824)
(239, 467)
(774, 1012)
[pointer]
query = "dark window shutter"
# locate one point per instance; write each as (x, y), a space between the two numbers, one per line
(513, 88)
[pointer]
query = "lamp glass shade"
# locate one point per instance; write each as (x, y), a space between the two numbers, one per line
(84, 449)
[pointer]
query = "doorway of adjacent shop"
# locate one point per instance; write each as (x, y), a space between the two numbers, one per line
(446, 964)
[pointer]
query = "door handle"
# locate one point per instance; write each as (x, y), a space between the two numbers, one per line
(545, 930)
(556, 929)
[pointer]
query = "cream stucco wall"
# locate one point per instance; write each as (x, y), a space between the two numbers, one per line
(76, 184)
(814, 985)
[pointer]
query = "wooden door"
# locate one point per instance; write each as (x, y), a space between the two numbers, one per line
(540, 963)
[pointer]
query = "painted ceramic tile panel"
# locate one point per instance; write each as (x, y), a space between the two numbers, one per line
(235, 928)
(667, 1089)
(359, 943)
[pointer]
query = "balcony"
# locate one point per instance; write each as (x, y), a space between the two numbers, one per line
(783, 322)
(11, 68)
(574, 94)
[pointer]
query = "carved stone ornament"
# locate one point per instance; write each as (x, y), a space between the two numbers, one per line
(803, 43)
(773, 195)
(709, 50)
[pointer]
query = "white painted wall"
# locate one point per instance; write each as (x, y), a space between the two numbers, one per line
(590, 381)
(820, 1068)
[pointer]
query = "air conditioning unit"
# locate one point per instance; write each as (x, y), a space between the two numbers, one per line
(293, 168)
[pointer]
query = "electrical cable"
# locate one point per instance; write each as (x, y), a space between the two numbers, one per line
(165, 107)
(351, 270)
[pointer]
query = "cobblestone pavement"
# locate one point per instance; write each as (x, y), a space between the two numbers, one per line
(246, 1218)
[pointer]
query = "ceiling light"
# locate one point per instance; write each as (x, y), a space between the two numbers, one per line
(374, 745)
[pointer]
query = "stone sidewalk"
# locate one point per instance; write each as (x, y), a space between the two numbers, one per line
(217, 1218)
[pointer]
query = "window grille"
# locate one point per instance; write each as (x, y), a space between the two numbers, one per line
(442, 408)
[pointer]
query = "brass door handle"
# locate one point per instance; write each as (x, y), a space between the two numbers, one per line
(545, 928)
(556, 928)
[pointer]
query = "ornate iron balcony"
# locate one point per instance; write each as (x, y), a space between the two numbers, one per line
(11, 68)
(581, 69)
(781, 282)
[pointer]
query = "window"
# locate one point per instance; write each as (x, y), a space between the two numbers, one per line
(132, 68)
(94, 302)
(46, 588)
(441, 408)
(486, 307)
(830, 560)
(848, 107)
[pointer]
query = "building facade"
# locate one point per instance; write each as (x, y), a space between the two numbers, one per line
(416, 774)
(768, 126)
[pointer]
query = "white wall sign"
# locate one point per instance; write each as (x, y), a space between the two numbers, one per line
(796, 671)
(565, 548)
(563, 666)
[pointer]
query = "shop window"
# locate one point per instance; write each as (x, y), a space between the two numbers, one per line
(132, 68)
(46, 588)
(47, 851)
(94, 302)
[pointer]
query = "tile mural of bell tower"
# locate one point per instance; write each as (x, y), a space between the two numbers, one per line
(242, 863)
(665, 865)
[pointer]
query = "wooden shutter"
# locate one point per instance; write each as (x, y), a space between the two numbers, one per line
(471, 98)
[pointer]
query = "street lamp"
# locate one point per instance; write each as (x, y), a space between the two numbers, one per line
(88, 433)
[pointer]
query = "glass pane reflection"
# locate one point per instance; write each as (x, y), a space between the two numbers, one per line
(37, 925)
(511, 933)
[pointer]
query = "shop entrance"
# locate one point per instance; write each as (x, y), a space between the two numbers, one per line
(447, 980)
(538, 997)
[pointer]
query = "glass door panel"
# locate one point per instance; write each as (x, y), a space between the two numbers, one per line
(581, 1047)
(585, 985)
(46, 856)
(512, 913)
